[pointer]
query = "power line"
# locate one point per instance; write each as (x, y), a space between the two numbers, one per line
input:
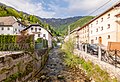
(99, 7)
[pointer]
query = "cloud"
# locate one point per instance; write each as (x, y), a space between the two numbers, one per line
(88, 6)
(59, 8)
(29, 7)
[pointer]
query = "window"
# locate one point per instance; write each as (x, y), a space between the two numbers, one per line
(108, 36)
(91, 25)
(31, 28)
(108, 16)
(35, 29)
(18, 24)
(96, 38)
(91, 32)
(38, 35)
(97, 30)
(43, 35)
(39, 29)
(15, 29)
(2, 28)
(8, 28)
(101, 28)
(108, 26)
(96, 22)
(101, 19)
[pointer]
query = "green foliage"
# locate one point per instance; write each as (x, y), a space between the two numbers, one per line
(81, 22)
(45, 43)
(13, 12)
(39, 40)
(64, 28)
(6, 11)
(13, 77)
(93, 71)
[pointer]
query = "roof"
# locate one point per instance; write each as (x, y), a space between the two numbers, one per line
(35, 25)
(8, 20)
(116, 5)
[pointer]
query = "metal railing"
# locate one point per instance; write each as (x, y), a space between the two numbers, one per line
(111, 57)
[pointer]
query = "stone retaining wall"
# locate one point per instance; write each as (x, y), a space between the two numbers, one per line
(112, 70)
(24, 63)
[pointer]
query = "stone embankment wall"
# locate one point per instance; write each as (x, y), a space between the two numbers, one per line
(20, 66)
(112, 70)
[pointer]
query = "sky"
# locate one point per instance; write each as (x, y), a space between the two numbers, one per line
(59, 8)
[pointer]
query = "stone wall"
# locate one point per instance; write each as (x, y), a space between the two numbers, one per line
(18, 67)
(112, 70)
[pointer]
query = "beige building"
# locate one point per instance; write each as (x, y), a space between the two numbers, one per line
(102, 29)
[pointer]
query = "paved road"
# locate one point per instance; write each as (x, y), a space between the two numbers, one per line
(56, 70)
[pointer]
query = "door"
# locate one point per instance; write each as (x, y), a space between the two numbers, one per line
(100, 40)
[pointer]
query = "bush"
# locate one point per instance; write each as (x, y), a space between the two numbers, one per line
(92, 70)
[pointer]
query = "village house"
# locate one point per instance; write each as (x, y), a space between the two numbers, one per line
(9, 25)
(102, 29)
(39, 32)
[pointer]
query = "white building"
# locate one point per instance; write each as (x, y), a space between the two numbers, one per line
(9, 25)
(102, 29)
(39, 32)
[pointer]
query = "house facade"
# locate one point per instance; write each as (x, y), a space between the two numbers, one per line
(102, 29)
(39, 32)
(9, 25)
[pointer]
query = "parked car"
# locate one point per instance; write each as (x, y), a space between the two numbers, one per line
(94, 48)
(83, 45)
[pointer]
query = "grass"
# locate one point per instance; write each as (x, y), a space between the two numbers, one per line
(93, 71)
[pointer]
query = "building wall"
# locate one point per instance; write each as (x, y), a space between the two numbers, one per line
(4, 30)
(41, 33)
(104, 27)
(102, 30)
(17, 28)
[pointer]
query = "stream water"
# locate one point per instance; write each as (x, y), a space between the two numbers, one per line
(56, 70)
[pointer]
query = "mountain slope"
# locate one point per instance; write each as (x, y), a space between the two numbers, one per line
(24, 17)
(81, 22)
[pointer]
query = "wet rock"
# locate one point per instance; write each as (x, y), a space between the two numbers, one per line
(43, 77)
(60, 77)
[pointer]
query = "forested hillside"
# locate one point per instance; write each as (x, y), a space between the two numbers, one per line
(25, 18)
(79, 23)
